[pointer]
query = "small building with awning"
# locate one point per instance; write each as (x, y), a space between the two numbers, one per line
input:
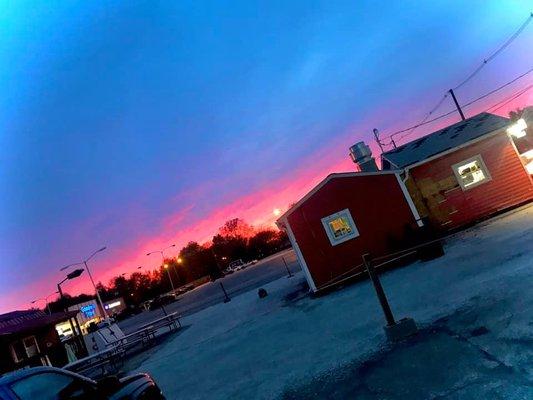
(28, 338)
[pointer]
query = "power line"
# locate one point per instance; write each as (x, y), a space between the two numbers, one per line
(431, 112)
(467, 79)
(498, 51)
(507, 100)
(465, 105)
(499, 88)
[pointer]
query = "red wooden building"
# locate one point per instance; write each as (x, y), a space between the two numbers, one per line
(452, 177)
(345, 216)
(463, 173)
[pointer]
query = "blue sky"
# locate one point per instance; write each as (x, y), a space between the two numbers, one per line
(139, 124)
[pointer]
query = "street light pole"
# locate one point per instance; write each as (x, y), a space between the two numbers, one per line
(166, 266)
(71, 275)
(96, 290)
(84, 262)
(46, 301)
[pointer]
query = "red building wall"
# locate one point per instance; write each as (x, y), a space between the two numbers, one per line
(380, 212)
(450, 207)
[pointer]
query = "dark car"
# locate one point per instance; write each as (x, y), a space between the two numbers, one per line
(162, 300)
(49, 383)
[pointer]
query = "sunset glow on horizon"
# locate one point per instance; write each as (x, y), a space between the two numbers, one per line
(136, 127)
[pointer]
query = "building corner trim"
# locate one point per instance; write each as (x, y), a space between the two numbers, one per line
(301, 258)
(409, 200)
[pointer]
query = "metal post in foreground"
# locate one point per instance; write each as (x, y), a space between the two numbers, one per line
(287, 267)
(226, 297)
(379, 290)
(395, 331)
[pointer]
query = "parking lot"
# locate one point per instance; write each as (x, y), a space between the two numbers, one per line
(265, 271)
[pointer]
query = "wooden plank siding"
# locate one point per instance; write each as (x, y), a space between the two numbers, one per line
(437, 192)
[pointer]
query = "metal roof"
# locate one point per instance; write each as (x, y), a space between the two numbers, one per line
(22, 321)
(445, 139)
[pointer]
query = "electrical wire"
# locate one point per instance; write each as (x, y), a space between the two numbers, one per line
(465, 105)
(506, 101)
(498, 51)
(426, 117)
(425, 121)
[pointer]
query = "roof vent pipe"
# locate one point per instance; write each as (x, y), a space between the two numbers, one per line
(361, 155)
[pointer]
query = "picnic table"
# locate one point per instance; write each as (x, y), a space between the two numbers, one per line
(114, 353)
(172, 321)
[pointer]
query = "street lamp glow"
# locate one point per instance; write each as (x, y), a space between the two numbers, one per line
(276, 212)
(518, 129)
(179, 260)
(162, 252)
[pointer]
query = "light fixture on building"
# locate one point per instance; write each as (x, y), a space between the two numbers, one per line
(529, 168)
(518, 129)
(528, 154)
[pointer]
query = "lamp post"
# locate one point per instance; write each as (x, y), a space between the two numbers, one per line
(71, 275)
(46, 301)
(84, 262)
(166, 266)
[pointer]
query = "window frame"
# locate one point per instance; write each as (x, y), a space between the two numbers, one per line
(484, 169)
(343, 213)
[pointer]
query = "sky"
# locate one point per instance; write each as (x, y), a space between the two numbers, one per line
(135, 125)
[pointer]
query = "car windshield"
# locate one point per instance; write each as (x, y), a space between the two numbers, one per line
(51, 386)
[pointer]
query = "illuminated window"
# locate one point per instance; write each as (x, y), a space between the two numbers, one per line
(471, 173)
(340, 227)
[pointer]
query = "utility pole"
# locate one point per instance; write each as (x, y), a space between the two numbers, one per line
(457, 104)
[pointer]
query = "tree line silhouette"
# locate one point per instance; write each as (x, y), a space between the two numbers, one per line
(235, 240)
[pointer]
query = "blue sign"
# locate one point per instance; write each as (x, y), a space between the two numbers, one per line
(89, 310)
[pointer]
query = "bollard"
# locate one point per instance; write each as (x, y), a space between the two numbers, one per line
(226, 297)
(287, 267)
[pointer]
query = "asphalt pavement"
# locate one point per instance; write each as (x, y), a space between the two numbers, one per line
(253, 277)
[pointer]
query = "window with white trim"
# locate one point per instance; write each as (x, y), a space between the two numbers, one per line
(340, 227)
(471, 173)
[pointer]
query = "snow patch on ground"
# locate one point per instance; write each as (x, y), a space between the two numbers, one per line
(474, 305)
